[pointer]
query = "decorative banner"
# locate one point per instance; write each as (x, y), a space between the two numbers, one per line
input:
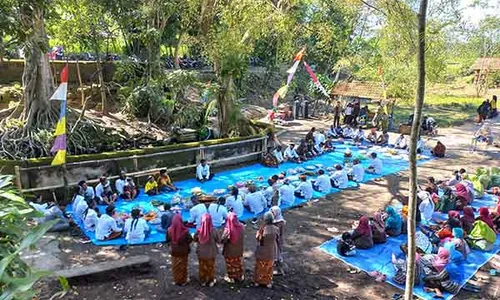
(291, 72)
(315, 79)
(59, 146)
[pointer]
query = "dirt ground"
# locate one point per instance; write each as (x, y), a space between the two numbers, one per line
(310, 273)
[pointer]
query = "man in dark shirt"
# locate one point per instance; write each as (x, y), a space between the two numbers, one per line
(166, 218)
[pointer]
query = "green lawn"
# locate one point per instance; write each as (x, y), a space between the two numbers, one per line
(446, 110)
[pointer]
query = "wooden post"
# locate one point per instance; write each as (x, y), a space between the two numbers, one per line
(136, 163)
(17, 179)
(65, 180)
(264, 150)
(202, 152)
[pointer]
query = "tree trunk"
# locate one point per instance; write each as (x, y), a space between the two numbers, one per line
(176, 51)
(37, 78)
(102, 88)
(415, 131)
(224, 101)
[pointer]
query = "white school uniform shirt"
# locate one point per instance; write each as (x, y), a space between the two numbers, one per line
(323, 183)
(340, 178)
(420, 144)
(202, 171)
(236, 204)
(319, 138)
(426, 207)
(136, 234)
(347, 132)
(196, 213)
(376, 164)
(105, 226)
(119, 185)
(218, 213)
(80, 209)
(91, 220)
(99, 190)
(400, 142)
(348, 110)
(89, 192)
(287, 196)
(358, 172)
(360, 134)
(278, 155)
(256, 201)
(305, 189)
(290, 153)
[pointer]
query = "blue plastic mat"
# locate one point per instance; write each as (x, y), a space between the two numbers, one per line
(391, 164)
(379, 259)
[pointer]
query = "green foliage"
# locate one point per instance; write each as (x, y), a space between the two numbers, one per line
(17, 278)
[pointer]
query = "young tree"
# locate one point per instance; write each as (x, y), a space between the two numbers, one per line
(415, 132)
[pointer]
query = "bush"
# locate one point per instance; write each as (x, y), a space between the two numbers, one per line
(16, 235)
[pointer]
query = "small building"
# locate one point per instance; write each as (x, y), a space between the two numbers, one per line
(365, 91)
(486, 63)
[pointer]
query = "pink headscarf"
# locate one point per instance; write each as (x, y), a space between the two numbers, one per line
(454, 214)
(469, 214)
(364, 226)
(177, 230)
(233, 227)
(378, 222)
(441, 260)
(205, 229)
(461, 191)
(484, 215)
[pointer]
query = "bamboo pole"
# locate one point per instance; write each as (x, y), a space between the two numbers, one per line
(17, 179)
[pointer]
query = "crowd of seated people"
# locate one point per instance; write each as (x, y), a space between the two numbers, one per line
(438, 242)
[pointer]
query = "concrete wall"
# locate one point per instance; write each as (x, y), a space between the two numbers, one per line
(12, 70)
(90, 170)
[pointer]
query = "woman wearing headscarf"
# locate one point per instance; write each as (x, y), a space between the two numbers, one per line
(495, 215)
(481, 236)
(378, 229)
(468, 219)
(279, 222)
(457, 246)
(401, 271)
(426, 206)
(436, 262)
(265, 254)
(470, 189)
(207, 238)
(362, 235)
(180, 239)
(233, 238)
(484, 215)
(393, 222)
(447, 201)
(462, 194)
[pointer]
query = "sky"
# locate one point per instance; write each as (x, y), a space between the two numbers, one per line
(475, 14)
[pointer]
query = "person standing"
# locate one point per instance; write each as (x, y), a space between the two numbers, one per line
(265, 254)
(348, 114)
(493, 104)
(179, 238)
(336, 114)
(207, 238)
(279, 222)
(233, 238)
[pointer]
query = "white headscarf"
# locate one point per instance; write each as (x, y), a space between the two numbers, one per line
(426, 206)
(276, 211)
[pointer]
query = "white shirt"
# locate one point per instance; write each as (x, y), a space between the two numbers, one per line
(80, 209)
(136, 234)
(358, 172)
(340, 178)
(420, 144)
(286, 195)
(256, 201)
(236, 204)
(119, 185)
(426, 207)
(99, 190)
(105, 226)
(305, 189)
(278, 155)
(400, 142)
(348, 110)
(218, 214)
(268, 194)
(319, 138)
(323, 183)
(358, 133)
(91, 220)
(290, 153)
(197, 212)
(202, 171)
(77, 200)
(89, 192)
(347, 132)
(376, 164)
